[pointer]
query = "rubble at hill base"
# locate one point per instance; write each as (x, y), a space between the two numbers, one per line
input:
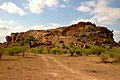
(81, 34)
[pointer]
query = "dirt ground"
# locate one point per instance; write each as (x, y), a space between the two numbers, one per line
(57, 67)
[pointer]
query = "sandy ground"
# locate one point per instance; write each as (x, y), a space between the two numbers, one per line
(57, 67)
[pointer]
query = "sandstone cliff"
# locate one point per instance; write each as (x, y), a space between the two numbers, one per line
(77, 34)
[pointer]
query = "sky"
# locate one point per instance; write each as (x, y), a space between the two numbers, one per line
(23, 15)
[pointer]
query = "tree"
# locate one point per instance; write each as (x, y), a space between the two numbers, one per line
(29, 40)
(21, 42)
(25, 40)
(72, 49)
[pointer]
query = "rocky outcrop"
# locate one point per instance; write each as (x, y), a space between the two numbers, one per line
(8, 38)
(77, 34)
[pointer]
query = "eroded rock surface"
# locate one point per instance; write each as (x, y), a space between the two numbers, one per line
(77, 34)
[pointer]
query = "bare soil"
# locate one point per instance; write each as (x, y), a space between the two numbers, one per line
(57, 67)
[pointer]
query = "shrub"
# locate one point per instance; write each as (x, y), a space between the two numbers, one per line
(104, 57)
(71, 51)
(78, 52)
(65, 51)
(97, 50)
(111, 53)
(93, 50)
(54, 51)
(117, 57)
(117, 54)
(41, 49)
(13, 50)
(37, 50)
(87, 52)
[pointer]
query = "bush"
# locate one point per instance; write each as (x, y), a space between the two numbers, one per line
(104, 57)
(93, 50)
(65, 51)
(117, 54)
(72, 51)
(78, 52)
(54, 51)
(37, 50)
(13, 50)
(97, 50)
(86, 52)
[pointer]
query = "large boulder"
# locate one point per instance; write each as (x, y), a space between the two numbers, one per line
(8, 38)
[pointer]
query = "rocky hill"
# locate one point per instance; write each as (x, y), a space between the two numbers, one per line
(81, 34)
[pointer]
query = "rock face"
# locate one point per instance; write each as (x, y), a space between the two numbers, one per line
(77, 34)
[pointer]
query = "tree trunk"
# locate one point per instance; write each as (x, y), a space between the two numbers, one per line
(0, 56)
(30, 44)
(23, 54)
(72, 54)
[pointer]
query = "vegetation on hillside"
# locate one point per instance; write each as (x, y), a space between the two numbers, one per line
(72, 50)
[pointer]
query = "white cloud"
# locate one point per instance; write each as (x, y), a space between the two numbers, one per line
(51, 3)
(106, 15)
(7, 27)
(37, 6)
(116, 35)
(4, 27)
(63, 6)
(89, 3)
(101, 12)
(6, 22)
(42, 27)
(67, 1)
(11, 7)
(38, 27)
(4, 31)
(86, 6)
(55, 25)
(82, 20)
(83, 8)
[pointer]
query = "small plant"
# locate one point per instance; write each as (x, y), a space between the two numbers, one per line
(93, 50)
(117, 54)
(78, 52)
(64, 51)
(54, 51)
(37, 50)
(117, 57)
(71, 51)
(97, 50)
(104, 57)
(87, 52)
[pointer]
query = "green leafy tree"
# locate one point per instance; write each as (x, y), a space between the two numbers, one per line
(21, 42)
(72, 49)
(26, 40)
(13, 50)
(29, 40)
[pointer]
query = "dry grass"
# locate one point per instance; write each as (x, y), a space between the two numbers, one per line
(44, 68)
